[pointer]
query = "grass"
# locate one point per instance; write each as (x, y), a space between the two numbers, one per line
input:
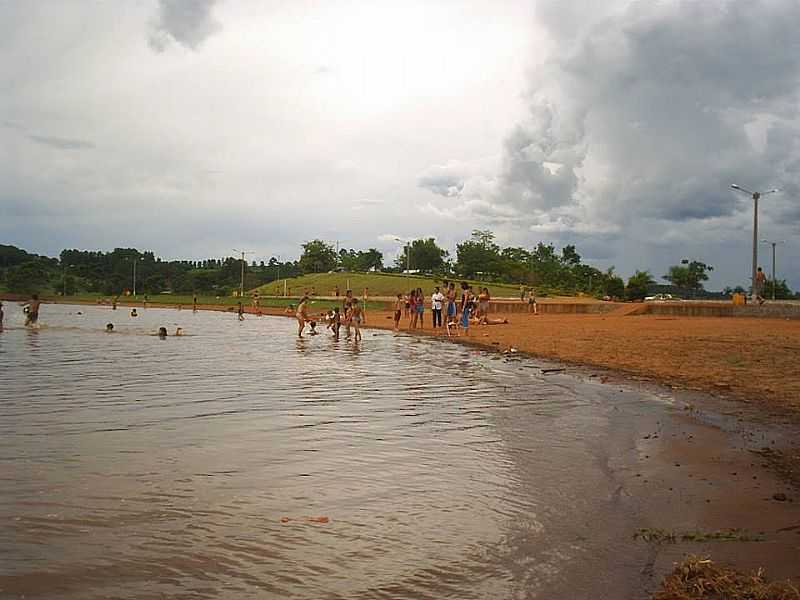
(699, 578)
(379, 284)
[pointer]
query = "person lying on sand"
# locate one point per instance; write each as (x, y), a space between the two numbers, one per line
(484, 320)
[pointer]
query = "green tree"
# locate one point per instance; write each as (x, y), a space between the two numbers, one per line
(424, 255)
(479, 255)
(28, 278)
(689, 275)
(317, 257)
(638, 283)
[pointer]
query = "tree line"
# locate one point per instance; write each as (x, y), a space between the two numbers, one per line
(479, 257)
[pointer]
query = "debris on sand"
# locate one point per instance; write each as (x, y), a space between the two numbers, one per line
(659, 536)
(699, 578)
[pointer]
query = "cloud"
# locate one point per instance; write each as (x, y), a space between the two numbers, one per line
(650, 111)
(187, 22)
(61, 143)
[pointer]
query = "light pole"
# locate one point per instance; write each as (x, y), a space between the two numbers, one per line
(241, 284)
(135, 260)
(64, 279)
(755, 196)
(408, 257)
(774, 281)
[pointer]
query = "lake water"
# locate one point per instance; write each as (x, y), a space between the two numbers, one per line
(135, 467)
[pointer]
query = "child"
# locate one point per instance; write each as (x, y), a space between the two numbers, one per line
(398, 311)
(302, 315)
(134, 313)
(109, 327)
(240, 310)
(162, 332)
(356, 317)
(313, 325)
(336, 323)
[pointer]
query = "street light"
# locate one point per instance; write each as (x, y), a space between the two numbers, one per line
(774, 281)
(241, 284)
(135, 260)
(755, 196)
(408, 257)
(64, 279)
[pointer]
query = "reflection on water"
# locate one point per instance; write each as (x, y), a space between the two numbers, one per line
(132, 467)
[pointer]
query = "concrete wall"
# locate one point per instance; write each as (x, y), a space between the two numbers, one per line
(714, 309)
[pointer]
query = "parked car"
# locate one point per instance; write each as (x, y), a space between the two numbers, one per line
(660, 298)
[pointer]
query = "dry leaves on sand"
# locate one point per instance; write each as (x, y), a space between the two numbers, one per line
(700, 579)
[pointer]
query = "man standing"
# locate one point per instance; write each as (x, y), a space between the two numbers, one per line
(761, 281)
(437, 299)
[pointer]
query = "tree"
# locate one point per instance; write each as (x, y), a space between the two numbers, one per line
(479, 255)
(689, 275)
(317, 257)
(638, 284)
(28, 278)
(423, 255)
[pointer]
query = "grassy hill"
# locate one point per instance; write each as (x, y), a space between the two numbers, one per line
(379, 284)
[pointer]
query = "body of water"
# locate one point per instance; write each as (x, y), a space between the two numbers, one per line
(240, 462)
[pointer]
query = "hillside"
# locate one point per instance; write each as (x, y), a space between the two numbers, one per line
(379, 284)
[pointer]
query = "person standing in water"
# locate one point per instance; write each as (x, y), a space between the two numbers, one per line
(114, 303)
(357, 317)
(1, 315)
(33, 311)
(240, 311)
(421, 308)
(194, 303)
(302, 315)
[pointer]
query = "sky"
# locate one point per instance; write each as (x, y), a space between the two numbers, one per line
(194, 127)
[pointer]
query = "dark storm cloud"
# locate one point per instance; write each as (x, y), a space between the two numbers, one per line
(187, 22)
(61, 143)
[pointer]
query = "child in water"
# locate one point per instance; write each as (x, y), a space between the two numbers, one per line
(134, 313)
(313, 325)
(162, 332)
(109, 327)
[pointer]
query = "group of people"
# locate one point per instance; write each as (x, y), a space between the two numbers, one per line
(352, 315)
(460, 311)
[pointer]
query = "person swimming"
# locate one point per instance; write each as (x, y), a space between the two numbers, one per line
(134, 313)
(109, 327)
(162, 332)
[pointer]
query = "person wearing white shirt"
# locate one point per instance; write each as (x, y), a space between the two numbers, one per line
(437, 301)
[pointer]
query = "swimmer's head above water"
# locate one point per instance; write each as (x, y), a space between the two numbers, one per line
(109, 327)
(162, 332)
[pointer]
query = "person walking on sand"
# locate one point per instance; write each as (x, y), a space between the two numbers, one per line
(302, 315)
(398, 311)
(437, 300)
(761, 281)
(357, 318)
(33, 311)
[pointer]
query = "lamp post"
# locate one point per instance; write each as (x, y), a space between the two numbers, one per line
(241, 284)
(774, 280)
(408, 257)
(64, 279)
(135, 260)
(755, 196)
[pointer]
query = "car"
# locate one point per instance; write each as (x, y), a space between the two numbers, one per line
(660, 298)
